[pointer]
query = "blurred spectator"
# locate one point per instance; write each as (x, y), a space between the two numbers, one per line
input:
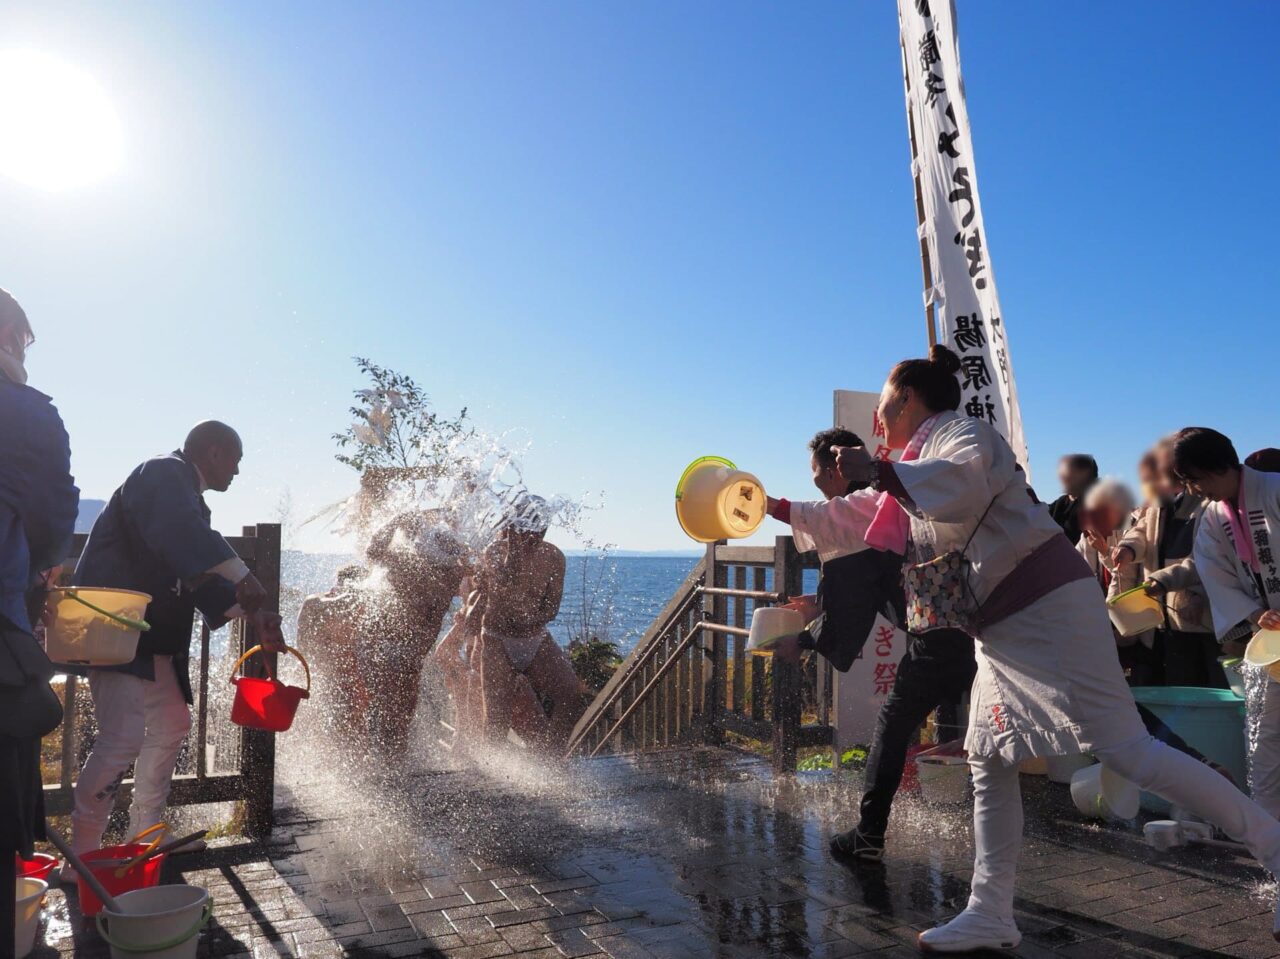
(1104, 519)
(1077, 472)
(1157, 549)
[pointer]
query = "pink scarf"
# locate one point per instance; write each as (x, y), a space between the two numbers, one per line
(890, 527)
(1237, 517)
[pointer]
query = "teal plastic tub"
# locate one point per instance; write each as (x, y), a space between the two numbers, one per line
(1210, 720)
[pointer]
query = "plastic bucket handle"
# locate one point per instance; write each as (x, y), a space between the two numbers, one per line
(160, 829)
(1126, 594)
(205, 914)
(288, 649)
(694, 465)
(141, 625)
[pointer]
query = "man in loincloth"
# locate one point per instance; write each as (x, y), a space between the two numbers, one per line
(527, 684)
(369, 636)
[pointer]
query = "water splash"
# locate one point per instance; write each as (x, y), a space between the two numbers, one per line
(1255, 690)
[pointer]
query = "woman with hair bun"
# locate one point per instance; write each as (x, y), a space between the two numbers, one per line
(983, 554)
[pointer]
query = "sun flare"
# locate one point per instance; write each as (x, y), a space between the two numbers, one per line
(58, 129)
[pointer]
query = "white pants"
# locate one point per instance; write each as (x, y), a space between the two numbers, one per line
(1266, 755)
(140, 723)
(997, 812)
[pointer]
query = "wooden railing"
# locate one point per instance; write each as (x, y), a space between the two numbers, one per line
(691, 679)
(206, 773)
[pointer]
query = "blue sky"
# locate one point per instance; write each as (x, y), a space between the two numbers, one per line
(635, 233)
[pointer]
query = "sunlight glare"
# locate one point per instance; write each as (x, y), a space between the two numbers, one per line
(58, 130)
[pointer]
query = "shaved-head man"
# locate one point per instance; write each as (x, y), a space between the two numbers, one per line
(155, 537)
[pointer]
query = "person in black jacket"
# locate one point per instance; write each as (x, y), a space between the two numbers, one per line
(935, 672)
(155, 537)
(38, 500)
(1077, 472)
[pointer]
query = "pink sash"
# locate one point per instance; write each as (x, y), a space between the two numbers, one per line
(1237, 518)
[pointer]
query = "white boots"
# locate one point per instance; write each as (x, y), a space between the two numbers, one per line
(969, 931)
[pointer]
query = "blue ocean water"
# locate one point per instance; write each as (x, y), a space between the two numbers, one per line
(614, 597)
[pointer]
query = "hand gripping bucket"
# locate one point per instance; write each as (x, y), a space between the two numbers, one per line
(29, 898)
(163, 922)
(126, 859)
(95, 627)
(266, 703)
(716, 500)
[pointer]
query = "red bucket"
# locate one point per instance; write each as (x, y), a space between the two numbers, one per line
(266, 703)
(37, 867)
(104, 862)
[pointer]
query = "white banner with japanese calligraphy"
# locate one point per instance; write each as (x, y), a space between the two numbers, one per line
(964, 287)
(861, 691)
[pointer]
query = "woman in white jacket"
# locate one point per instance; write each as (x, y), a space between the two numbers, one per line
(1049, 682)
(1237, 554)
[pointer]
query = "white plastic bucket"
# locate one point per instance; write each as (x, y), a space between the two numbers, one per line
(944, 780)
(770, 624)
(1263, 648)
(1062, 768)
(1163, 834)
(30, 896)
(107, 635)
(162, 922)
(1101, 794)
(1133, 612)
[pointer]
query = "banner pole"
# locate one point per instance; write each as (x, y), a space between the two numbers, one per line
(925, 266)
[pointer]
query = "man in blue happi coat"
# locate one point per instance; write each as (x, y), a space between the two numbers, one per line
(155, 537)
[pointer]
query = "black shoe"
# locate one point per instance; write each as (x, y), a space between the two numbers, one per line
(856, 845)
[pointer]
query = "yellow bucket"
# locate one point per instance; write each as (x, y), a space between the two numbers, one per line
(95, 626)
(1134, 612)
(716, 500)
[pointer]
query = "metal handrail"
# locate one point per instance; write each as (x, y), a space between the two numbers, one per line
(648, 687)
(677, 608)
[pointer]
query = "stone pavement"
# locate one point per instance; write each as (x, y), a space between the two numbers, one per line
(680, 854)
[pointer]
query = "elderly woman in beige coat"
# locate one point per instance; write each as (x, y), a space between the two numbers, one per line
(1156, 552)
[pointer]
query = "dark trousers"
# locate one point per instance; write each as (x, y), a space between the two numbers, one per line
(936, 671)
(1191, 659)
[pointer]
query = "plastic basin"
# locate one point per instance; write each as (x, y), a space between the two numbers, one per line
(1210, 720)
(1133, 612)
(104, 862)
(30, 896)
(37, 867)
(81, 636)
(162, 922)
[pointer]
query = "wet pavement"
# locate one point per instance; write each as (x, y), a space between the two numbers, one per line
(679, 854)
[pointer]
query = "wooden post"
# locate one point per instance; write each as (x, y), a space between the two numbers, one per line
(925, 264)
(713, 648)
(259, 747)
(788, 579)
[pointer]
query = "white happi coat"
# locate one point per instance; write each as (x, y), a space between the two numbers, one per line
(1233, 590)
(1049, 681)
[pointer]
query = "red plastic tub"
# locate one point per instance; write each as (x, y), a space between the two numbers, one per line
(37, 867)
(104, 862)
(266, 703)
